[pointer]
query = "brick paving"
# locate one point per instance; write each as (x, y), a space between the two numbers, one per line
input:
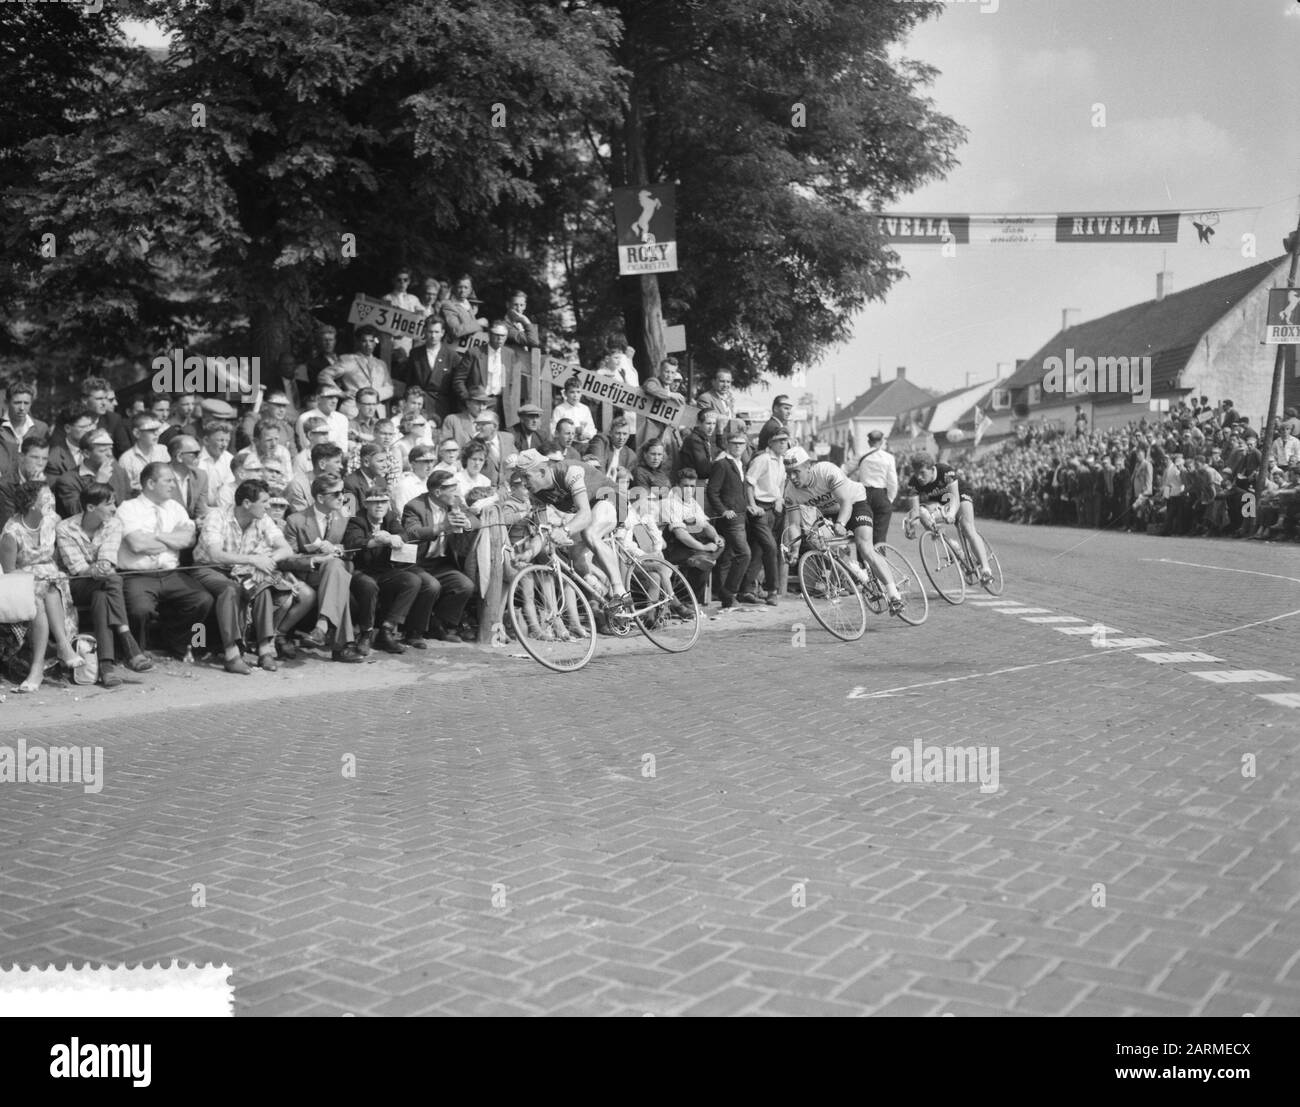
(503, 850)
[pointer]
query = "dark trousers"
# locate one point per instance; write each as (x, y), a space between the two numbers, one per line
(180, 605)
(451, 593)
(1176, 515)
(225, 602)
(735, 557)
(405, 596)
(762, 543)
(107, 603)
(697, 578)
(882, 510)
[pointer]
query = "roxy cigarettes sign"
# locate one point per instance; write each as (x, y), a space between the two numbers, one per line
(646, 222)
(603, 386)
(1282, 323)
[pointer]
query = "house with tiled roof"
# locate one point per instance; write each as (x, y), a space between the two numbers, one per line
(937, 424)
(877, 408)
(1205, 341)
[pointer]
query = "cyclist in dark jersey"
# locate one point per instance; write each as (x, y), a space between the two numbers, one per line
(586, 495)
(938, 489)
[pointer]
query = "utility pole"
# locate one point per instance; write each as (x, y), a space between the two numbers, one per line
(1279, 364)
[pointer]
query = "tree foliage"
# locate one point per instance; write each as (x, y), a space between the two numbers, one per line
(204, 195)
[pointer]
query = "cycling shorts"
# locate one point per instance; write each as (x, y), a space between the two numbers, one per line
(860, 516)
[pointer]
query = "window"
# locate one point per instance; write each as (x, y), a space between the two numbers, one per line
(1001, 399)
(1035, 393)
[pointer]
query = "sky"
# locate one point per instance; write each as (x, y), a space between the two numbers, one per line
(1201, 100)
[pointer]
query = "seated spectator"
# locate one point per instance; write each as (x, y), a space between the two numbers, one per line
(215, 459)
(368, 476)
(564, 446)
(315, 535)
(87, 545)
(692, 543)
(97, 467)
(416, 482)
(431, 521)
(27, 545)
(497, 447)
(389, 458)
(242, 543)
(18, 425)
(191, 489)
(98, 396)
(268, 448)
(614, 451)
(362, 428)
(144, 430)
(33, 459)
(65, 451)
(326, 461)
(414, 430)
(318, 433)
(472, 476)
(34, 633)
(182, 418)
(527, 433)
(460, 426)
(651, 470)
(326, 407)
(449, 452)
(390, 593)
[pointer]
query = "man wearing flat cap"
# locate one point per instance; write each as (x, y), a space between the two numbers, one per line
(527, 433)
(431, 521)
(325, 406)
(461, 425)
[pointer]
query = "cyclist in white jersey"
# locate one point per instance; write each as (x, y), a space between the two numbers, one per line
(823, 486)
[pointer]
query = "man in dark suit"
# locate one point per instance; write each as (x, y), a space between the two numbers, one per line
(98, 394)
(727, 503)
(432, 366)
(698, 450)
(499, 448)
(65, 443)
(522, 330)
(613, 451)
(316, 537)
(384, 590)
(367, 478)
(191, 481)
(496, 370)
(97, 467)
(430, 521)
(527, 433)
(782, 408)
(18, 425)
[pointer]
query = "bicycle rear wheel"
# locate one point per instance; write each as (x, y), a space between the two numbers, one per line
(545, 608)
(832, 596)
(916, 606)
(670, 617)
(943, 569)
(995, 586)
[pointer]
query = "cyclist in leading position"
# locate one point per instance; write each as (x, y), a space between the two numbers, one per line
(823, 486)
(584, 496)
(937, 488)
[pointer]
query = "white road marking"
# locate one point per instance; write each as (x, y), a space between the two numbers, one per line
(1055, 619)
(1238, 676)
(1225, 569)
(1025, 610)
(1178, 658)
(1125, 643)
(1284, 699)
(860, 693)
(1094, 628)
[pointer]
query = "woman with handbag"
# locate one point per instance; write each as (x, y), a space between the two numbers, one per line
(22, 621)
(27, 543)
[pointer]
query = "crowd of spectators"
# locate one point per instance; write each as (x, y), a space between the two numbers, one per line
(334, 517)
(1189, 471)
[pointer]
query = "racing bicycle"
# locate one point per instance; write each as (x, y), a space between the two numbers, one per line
(838, 591)
(952, 565)
(553, 607)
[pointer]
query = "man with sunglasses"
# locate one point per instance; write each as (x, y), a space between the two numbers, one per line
(191, 482)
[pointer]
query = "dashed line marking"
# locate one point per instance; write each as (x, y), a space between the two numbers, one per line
(1023, 610)
(1055, 619)
(1092, 628)
(1179, 658)
(1126, 643)
(1238, 676)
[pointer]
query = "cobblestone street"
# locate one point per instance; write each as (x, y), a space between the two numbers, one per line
(718, 832)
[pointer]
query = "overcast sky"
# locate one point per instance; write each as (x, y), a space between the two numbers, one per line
(1201, 101)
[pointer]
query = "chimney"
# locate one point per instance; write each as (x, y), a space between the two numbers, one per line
(902, 372)
(1069, 316)
(1003, 370)
(1164, 284)
(875, 379)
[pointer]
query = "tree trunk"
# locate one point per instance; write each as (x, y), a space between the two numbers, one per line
(645, 325)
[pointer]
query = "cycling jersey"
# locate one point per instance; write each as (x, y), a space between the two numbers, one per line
(825, 485)
(937, 490)
(569, 478)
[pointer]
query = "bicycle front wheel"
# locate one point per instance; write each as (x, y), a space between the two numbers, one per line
(832, 596)
(995, 586)
(916, 606)
(668, 616)
(942, 568)
(552, 619)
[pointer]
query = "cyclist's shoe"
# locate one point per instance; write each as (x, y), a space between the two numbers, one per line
(576, 631)
(897, 605)
(986, 577)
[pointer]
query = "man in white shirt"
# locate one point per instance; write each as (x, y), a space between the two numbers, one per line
(878, 473)
(1173, 487)
(416, 482)
(145, 429)
(155, 530)
(764, 485)
(573, 409)
(401, 297)
(326, 407)
(361, 369)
